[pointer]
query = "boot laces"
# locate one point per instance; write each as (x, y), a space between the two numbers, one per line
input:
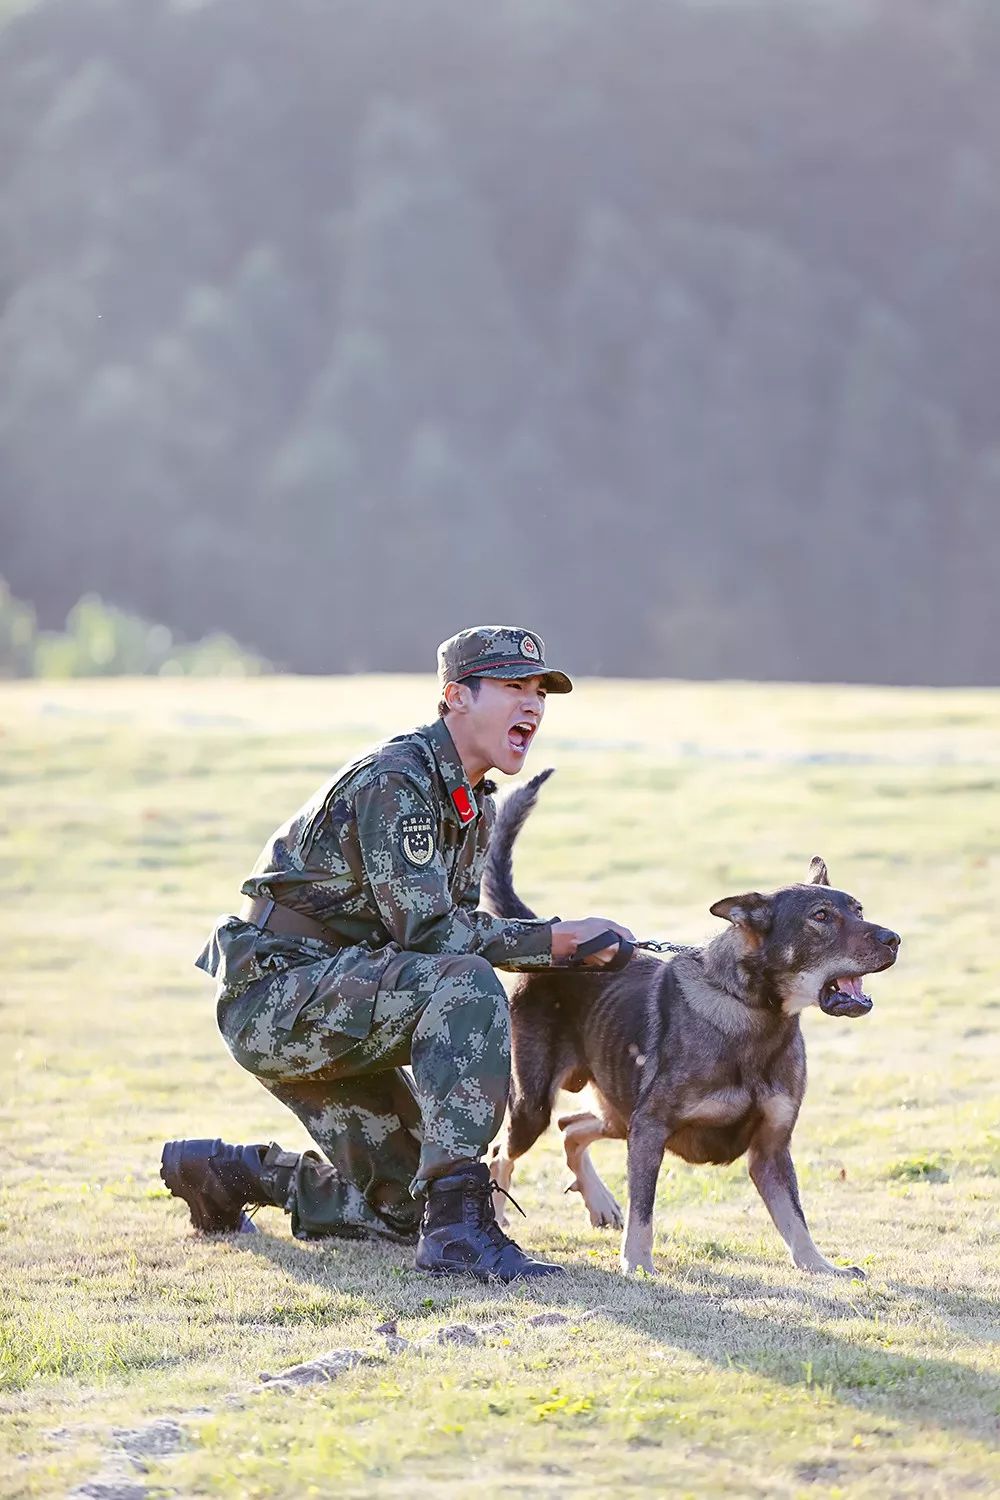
(489, 1224)
(496, 1188)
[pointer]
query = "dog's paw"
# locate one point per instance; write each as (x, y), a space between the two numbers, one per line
(605, 1212)
(602, 1207)
(820, 1266)
(641, 1268)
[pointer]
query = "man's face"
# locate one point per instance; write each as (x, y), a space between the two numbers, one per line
(501, 722)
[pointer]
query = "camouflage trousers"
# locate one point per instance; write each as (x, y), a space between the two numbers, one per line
(385, 1138)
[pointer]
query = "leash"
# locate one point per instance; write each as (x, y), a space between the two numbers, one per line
(626, 949)
(652, 946)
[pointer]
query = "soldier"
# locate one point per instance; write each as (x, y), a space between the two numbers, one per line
(360, 947)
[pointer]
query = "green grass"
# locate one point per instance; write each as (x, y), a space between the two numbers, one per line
(130, 812)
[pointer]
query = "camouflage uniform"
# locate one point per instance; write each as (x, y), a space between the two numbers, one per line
(388, 857)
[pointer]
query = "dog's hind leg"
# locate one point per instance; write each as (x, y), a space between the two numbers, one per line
(579, 1132)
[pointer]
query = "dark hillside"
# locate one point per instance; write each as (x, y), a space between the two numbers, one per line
(673, 329)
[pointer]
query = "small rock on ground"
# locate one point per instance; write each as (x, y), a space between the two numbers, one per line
(394, 1341)
(156, 1439)
(453, 1333)
(110, 1489)
(160, 1438)
(324, 1367)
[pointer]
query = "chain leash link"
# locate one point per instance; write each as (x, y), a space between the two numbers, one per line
(652, 945)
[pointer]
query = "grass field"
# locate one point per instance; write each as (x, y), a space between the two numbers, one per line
(130, 812)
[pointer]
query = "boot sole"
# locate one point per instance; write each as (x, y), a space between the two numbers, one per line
(492, 1280)
(182, 1169)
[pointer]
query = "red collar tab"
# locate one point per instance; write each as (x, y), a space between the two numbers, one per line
(465, 805)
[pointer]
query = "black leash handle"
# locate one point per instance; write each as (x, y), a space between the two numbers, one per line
(597, 944)
(611, 939)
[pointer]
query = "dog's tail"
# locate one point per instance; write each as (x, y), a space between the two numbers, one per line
(498, 877)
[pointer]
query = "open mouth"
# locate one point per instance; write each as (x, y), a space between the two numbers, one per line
(519, 736)
(844, 997)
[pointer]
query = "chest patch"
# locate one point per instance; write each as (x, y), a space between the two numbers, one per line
(417, 839)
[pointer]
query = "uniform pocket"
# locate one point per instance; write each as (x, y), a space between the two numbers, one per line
(291, 990)
(298, 1019)
(336, 993)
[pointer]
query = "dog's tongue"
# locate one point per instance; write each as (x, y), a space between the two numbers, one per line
(848, 999)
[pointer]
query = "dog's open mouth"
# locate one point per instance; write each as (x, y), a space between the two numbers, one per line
(844, 997)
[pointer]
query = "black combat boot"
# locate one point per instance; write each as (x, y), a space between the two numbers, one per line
(460, 1235)
(218, 1181)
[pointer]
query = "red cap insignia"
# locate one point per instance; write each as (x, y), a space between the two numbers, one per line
(464, 805)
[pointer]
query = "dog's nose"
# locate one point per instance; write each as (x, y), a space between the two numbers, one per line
(889, 938)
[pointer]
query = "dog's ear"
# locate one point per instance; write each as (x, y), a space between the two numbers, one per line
(818, 873)
(751, 911)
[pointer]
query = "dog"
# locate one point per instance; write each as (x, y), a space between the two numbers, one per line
(702, 1055)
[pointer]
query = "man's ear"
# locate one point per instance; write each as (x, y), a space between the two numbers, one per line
(818, 873)
(751, 911)
(456, 695)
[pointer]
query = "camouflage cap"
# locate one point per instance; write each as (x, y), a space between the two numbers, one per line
(498, 651)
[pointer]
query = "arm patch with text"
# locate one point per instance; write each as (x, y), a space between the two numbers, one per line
(416, 834)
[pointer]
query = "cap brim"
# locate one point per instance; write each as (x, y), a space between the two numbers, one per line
(552, 681)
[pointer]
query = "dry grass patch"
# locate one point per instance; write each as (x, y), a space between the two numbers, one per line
(131, 811)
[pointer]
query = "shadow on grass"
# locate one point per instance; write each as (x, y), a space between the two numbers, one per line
(960, 1309)
(782, 1347)
(696, 1317)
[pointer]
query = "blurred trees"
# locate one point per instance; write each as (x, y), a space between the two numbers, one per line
(102, 641)
(673, 330)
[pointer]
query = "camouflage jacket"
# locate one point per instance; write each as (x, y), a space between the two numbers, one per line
(388, 856)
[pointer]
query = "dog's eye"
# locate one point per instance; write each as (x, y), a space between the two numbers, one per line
(820, 914)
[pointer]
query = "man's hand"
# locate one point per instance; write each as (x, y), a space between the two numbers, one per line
(567, 937)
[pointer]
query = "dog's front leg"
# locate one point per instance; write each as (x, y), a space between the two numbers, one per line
(773, 1176)
(647, 1139)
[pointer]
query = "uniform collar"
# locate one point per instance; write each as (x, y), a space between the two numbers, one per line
(462, 803)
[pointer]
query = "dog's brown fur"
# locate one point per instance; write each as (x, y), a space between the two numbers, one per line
(702, 1056)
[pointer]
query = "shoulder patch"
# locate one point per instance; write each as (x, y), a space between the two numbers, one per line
(416, 836)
